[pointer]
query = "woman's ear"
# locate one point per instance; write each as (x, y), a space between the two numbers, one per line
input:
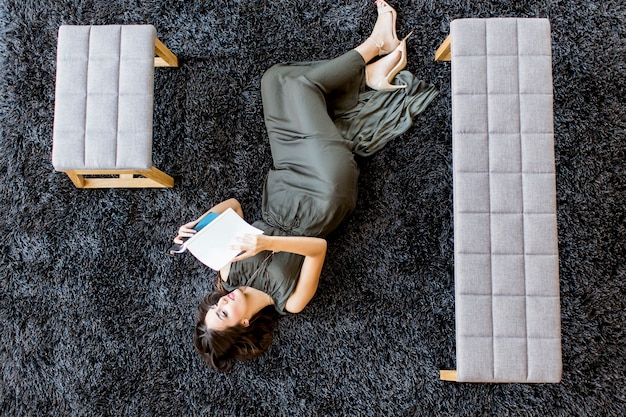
(245, 322)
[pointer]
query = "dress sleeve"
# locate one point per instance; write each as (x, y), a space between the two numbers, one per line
(276, 274)
(240, 272)
(283, 272)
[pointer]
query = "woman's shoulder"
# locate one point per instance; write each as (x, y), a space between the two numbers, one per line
(225, 271)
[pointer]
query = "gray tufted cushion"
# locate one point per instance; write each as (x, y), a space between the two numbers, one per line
(505, 235)
(104, 97)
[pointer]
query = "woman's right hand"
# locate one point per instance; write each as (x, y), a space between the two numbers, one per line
(249, 245)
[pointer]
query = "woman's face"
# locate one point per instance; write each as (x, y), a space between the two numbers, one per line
(229, 311)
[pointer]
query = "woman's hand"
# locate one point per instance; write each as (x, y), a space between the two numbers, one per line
(249, 245)
(185, 232)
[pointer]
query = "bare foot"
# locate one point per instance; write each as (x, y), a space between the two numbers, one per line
(384, 32)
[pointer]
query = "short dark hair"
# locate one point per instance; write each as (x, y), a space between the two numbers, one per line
(221, 348)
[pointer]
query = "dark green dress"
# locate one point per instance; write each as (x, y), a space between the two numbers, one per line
(318, 115)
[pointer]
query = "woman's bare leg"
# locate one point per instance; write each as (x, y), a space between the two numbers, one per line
(383, 35)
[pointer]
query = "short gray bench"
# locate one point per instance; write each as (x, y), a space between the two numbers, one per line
(102, 133)
(507, 305)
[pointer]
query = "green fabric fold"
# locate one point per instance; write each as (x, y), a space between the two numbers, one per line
(381, 116)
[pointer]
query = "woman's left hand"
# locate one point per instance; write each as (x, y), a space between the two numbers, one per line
(185, 232)
(249, 245)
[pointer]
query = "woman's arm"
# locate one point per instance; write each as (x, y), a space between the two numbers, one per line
(312, 248)
(187, 230)
(309, 278)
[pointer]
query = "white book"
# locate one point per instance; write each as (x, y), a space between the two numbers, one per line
(212, 244)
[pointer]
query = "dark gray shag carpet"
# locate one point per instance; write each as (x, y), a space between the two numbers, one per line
(97, 320)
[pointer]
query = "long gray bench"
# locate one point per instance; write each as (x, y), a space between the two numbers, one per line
(507, 306)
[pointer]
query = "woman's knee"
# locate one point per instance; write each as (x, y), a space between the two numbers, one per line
(270, 75)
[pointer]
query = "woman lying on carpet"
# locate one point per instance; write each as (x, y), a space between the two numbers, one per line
(318, 115)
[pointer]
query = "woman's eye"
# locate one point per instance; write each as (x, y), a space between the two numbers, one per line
(225, 314)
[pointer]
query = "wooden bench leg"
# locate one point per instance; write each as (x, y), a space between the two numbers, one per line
(447, 375)
(159, 177)
(77, 179)
(165, 57)
(143, 178)
(443, 52)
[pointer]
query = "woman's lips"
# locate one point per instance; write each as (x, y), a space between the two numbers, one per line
(231, 295)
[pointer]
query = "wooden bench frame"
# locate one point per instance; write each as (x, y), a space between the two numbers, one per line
(140, 178)
(165, 57)
(443, 52)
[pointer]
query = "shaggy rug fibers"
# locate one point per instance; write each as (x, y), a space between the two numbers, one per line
(97, 319)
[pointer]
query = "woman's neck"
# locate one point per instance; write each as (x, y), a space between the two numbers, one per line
(257, 299)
